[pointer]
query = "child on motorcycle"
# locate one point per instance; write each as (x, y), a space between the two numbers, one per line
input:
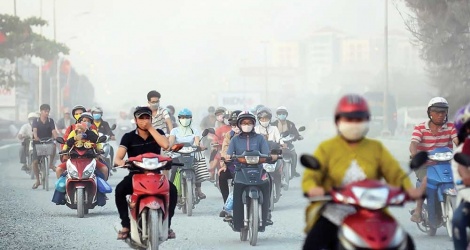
(346, 158)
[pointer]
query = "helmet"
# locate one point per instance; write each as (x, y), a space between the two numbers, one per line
(220, 110)
(96, 110)
(438, 102)
(461, 117)
(233, 117)
(352, 106)
(33, 115)
(86, 115)
(170, 109)
(255, 109)
(264, 112)
(245, 115)
(77, 108)
(211, 109)
(282, 110)
(185, 112)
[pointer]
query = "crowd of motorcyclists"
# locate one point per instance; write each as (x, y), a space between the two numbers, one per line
(349, 157)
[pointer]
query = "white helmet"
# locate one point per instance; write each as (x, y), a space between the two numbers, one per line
(33, 115)
(439, 102)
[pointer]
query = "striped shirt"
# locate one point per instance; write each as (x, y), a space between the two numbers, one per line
(158, 121)
(427, 141)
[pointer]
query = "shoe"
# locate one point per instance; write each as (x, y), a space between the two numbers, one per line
(222, 213)
(295, 174)
(24, 168)
(36, 185)
(269, 222)
(228, 218)
(122, 235)
(200, 194)
(171, 234)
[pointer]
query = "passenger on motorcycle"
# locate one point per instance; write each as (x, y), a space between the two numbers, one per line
(461, 218)
(171, 112)
(77, 111)
(286, 126)
(103, 126)
(225, 175)
(428, 135)
(248, 139)
(346, 158)
(144, 139)
(217, 140)
(270, 133)
(25, 135)
(160, 117)
(185, 134)
(221, 116)
(83, 137)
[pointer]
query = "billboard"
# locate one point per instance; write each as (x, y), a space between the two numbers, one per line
(239, 100)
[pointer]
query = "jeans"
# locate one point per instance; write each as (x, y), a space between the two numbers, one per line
(460, 223)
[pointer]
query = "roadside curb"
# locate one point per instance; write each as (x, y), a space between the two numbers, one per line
(9, 152)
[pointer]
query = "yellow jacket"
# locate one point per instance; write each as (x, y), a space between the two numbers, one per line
(83, 142)
(335, 157)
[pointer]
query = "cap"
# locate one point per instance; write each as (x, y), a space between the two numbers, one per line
(142, 111)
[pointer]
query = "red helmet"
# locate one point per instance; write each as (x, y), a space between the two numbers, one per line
(352, 106)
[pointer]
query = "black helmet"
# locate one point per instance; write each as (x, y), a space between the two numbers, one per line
(245, 115)
(86, 115)
(264, 112)
(233, 117)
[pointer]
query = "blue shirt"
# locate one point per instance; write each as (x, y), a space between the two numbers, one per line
(248, 141)
(184, 136)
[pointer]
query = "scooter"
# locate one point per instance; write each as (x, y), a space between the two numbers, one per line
(149, 203)
(82, 187)
(370, 227)
(463, 191)
(108, 152)
(288, 156)
(440, 192)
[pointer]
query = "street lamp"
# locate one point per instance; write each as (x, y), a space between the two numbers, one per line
(265, 43)
(385, 128)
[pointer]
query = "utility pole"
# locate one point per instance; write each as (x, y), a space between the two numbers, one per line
(385, 127)
(265, 43)
(14, 7)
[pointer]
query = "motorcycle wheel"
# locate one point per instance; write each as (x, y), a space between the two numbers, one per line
(253, 223)
(189, 196)
(432, 231)
(80, 202)
(449, 206)
(243, 234)
(287, 175)
(30, 166)
(183, 195)
(273, 193)
(153, 229)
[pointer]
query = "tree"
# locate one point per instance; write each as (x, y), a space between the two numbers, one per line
(17, 40)
(441, 28)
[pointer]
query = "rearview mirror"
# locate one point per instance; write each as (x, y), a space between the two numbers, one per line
(177, 147)
(102, 139)
(60, 140)
(302, 129)
(310, 162)
(113, 127)
(205, 132)
(462, 159)
(418, 160)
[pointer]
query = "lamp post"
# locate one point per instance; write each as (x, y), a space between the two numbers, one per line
(385, 128)
(265, 43)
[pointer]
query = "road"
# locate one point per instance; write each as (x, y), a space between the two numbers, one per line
(29, 220)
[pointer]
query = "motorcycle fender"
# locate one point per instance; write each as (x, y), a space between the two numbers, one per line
(188, 174)
(135, 232)
(253, 193)
(151, 202)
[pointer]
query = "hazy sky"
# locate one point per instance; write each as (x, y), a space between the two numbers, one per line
(164, 45)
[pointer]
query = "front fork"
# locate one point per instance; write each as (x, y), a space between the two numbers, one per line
(246, 215)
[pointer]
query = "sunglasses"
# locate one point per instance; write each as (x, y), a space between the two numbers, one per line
(185, 117)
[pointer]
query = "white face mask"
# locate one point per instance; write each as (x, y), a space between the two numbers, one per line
(236, 130)
(353, 131)
(185, 122)
(247, 128)
(264, 124)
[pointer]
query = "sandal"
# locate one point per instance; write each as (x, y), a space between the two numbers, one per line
(122, 235)
(171, 234)
(416, 217)
(36, 185)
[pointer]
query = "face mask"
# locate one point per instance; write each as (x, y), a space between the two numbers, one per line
(96, 116)
(220, 118)
(247, 128)
(282, 117)
(264, 124)
(88, 124)
(77, 116)
(353, 131)
(185, 122)
(154, 106)
(226, 121)
(236, 130)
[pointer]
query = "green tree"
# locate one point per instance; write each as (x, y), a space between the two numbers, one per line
(17, 40)
(441, 29)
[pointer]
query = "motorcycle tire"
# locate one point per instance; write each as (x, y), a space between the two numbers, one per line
(153, 229)
(449, 206)
(189, 196)
(287, 175)
(243, 234)
(273, 194)
(253, 223)
(80, 202)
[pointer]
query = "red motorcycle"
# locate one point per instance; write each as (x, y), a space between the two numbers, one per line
(370, 227)
(81, 188)
(149, 203)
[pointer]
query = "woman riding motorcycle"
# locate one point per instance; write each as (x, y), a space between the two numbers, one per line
(346, 158)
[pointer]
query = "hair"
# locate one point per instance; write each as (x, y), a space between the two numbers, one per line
(152, 94)
(45, 107)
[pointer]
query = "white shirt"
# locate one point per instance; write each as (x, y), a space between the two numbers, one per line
(159, 120)
(26, 130)
(271, 132)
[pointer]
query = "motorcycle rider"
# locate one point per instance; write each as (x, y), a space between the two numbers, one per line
(144, 139)
(79, 138)
(221, 116)
(248, 139)
(346, 158)
(185, 134)
(64, 122)
(218, 139)
(286, 126)
(77, 111)
(435, 133)
(25, 135)
(209, 120)
(103, 126)
(225, 175)
(171, 112)
(160, 117)
(461, 218)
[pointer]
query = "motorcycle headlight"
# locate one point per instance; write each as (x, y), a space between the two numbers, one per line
(371, 198)
(269, 167)
(89, 169)
(72, 170)
(252, 159)
(445, 156)
(186, 150)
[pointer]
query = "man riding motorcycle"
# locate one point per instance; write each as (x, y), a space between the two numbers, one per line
(428, 135)
(343, 159)
(217, 139)
(103, 126)
(286, 126)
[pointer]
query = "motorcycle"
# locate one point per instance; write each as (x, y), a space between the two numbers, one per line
(287, 157)
(370, 198)
(81, 186)
(108, 152)
(185, 180)
(275, 170)
(149, 203)
(440, 192)
(251, 175)
(463, 191)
